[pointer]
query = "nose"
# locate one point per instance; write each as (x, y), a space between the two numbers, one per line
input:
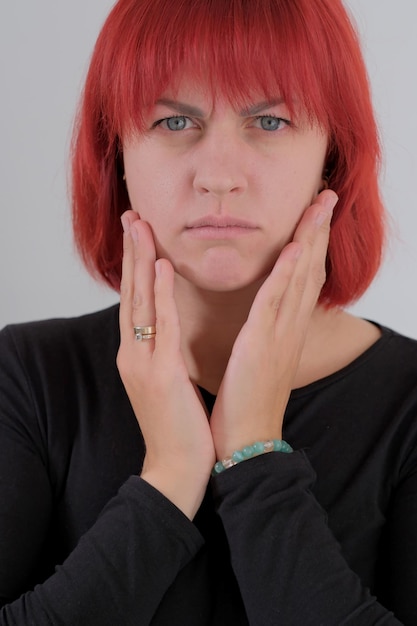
(219, 166)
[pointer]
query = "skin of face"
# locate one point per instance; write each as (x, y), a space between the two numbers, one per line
(222, 188)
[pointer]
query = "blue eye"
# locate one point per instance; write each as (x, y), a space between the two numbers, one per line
(174, 123)
(270, 122)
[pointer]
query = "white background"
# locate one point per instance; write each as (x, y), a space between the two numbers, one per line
(44, 51)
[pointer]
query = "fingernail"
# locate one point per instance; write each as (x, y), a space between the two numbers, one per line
(157, 268)
(125, 223)
(330, 200)
(322, 217)
(297, 253)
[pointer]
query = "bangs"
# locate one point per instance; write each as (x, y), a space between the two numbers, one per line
(235, 49)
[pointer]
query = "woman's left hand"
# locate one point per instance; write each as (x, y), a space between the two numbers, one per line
(254, 392)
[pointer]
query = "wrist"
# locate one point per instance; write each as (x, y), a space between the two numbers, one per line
(225, 446)
(247, 452)
(185, 489)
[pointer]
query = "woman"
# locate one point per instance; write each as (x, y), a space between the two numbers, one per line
(245, 451)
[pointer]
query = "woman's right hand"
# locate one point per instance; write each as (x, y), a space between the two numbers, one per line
(179, 446)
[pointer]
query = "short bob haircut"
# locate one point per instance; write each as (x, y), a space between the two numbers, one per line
(307, 51)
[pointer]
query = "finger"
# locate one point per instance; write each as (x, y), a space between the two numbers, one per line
(126, 285)
(313, 234)
(143, 304)
(316, 219)
(269, 297)
(127, 219)
(167, 319)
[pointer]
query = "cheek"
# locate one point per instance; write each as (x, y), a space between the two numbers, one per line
(304, 179)
(292, 188)
(152, 190)
(297, 167)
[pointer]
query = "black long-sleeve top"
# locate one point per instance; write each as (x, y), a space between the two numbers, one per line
(323, 537)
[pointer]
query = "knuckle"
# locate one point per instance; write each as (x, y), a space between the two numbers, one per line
(274, 302)
(126, 244)
(130, 367)
(300, 282)
(161, 323)
(319, 276)
(125, 290)
(137, 301)
(122, 363)
(119, 359)
(310, 240)
(325, 227)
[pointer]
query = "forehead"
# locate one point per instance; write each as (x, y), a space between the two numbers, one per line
(198, 96)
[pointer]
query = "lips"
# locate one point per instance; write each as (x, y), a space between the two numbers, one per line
(220, 227)
(221, 221)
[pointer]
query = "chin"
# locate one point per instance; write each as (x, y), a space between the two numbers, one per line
(225, 269)
(224, 280)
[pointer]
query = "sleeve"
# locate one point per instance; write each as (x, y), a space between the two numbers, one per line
(289, 566)
(400, 557)
(114, 575)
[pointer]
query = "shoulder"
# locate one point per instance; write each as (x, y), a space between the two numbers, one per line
(80, 324)
(365, 345)
(396, 351)
(340, 343)
(59, 352)
(387, 365)
(53, 336)
(53, 372)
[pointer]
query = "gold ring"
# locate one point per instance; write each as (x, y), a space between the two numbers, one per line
(145, 337)
(144, 332)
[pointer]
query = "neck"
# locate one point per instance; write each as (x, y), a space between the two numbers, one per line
(210, 323)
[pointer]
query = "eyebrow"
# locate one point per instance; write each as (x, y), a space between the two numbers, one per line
(187, 109)
(256, 108)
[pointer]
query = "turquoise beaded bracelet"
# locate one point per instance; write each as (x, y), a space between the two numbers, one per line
(248, 452)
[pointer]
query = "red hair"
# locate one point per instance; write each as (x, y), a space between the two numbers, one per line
(305, 50)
